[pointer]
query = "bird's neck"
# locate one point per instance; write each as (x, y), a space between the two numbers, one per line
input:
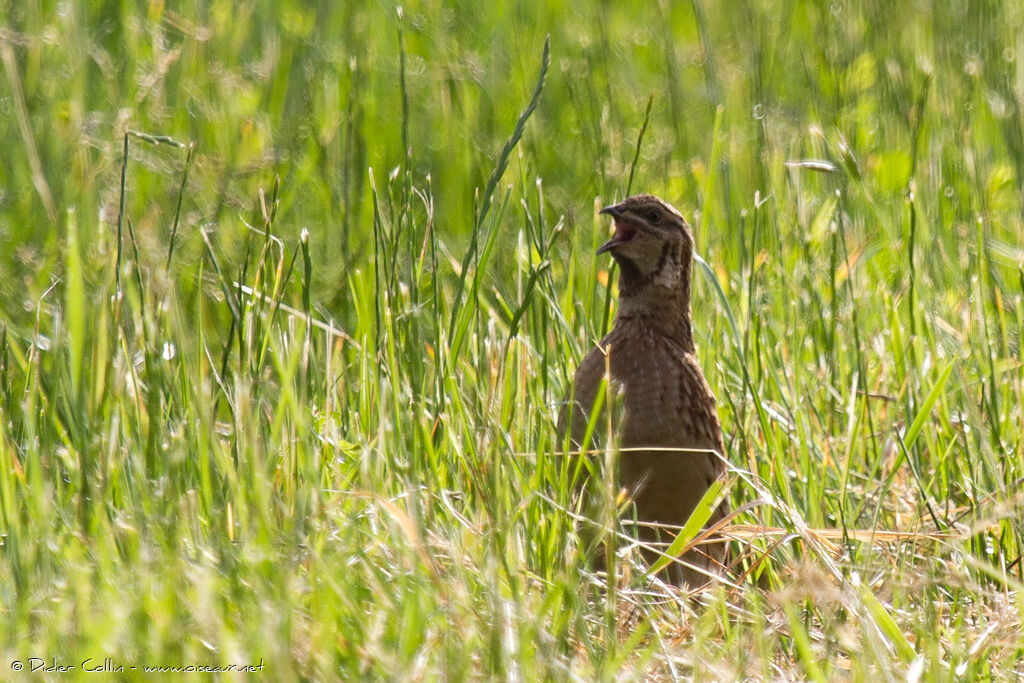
(660, 301)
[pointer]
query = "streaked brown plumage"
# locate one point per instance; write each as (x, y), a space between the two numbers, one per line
(666, 401)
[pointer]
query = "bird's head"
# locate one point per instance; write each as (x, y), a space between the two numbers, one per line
(652, 242)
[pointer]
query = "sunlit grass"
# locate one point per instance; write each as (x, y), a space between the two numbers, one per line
(279, 384)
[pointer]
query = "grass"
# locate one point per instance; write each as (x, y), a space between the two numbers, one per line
(290, 294)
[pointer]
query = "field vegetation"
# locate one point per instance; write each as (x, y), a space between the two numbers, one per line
(290, 294)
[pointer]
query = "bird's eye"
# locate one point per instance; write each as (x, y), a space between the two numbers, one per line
(654, 216)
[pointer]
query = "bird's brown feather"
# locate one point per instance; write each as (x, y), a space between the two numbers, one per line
(666, 401)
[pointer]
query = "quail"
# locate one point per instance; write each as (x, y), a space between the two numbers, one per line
(665, 401)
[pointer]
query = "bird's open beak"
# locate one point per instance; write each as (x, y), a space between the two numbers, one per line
(624, 231)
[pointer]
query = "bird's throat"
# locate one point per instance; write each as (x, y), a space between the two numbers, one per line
(656, 301)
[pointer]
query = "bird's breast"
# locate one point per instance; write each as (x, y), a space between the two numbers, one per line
(667, 401)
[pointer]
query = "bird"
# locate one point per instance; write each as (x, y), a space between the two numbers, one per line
(665, 400)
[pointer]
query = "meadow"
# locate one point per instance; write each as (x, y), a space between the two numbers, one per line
(290, 294)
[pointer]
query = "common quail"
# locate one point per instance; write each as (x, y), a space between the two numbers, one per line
(666, 402)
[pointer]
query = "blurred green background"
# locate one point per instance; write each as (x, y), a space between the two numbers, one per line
(312, 93)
